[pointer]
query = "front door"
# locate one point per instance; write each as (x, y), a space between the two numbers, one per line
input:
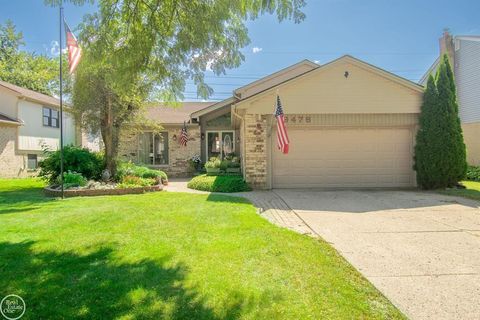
(220, 144)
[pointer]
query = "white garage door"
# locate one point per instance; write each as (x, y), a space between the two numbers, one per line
(343, 158)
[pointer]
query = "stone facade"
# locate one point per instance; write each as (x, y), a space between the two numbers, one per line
(178, 155)
(11, 164)
(255, 150)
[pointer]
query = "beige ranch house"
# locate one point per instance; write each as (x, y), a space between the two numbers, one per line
(350, 124)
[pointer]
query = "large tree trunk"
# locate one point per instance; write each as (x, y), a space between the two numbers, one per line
(110, 139)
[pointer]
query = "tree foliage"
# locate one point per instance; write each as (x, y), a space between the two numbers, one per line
(175, 40)
(440, 155)
(25, 69)
(138, 50)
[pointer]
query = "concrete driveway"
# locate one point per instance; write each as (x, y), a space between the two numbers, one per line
(422, 250)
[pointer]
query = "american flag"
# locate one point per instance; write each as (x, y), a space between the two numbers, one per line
(184, 136)
(74, 51)
(282, 136)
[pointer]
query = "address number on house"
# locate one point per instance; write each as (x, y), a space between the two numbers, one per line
(298, 119)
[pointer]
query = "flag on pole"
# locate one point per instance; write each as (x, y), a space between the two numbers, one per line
(282, 136)
(184, 135)
(74, 50)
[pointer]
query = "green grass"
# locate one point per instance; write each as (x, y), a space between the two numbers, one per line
(472, 190)
(169, 256)
(222, 183)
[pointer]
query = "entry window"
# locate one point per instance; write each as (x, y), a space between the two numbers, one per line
(50, 117)
(153, 148)
(32, 162)
(220, 144)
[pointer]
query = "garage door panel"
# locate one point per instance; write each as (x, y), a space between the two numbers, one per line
(343, 157)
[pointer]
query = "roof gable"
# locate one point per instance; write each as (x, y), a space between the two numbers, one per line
(275, 78)
(346, 85)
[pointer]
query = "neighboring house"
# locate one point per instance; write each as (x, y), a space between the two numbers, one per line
(464, 55)
(28, 121)
(350, 124)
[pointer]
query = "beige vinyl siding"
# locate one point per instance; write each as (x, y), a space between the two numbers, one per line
(33, 134)
(471, 136)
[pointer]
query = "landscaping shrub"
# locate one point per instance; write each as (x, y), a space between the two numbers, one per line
(223, 183)
(213, 163)
(72, 179)
(130, 169)
(134, 181)
(76, 159)
(440, 155)
(473, 173)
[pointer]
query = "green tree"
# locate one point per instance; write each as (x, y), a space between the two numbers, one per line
(25, 69)
(148, 49)
(440, 155)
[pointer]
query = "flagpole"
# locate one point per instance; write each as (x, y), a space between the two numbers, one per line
(61, 103)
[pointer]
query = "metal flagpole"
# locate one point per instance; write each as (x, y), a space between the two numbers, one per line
(61, 102)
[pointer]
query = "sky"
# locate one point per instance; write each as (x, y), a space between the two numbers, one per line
(400, 36)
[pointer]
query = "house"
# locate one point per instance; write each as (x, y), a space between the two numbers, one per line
(464, 55)
(29, 121)
(350, 124)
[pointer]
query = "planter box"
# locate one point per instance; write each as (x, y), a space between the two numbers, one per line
(233, 170)
(212, 171)
(100, 192)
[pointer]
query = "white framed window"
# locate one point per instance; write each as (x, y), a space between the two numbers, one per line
(153, 148)
(220, 143)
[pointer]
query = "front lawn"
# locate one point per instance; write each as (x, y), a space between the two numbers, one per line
(472, 190)
(169, 256)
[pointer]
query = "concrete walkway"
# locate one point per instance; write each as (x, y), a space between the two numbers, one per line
(421, 250)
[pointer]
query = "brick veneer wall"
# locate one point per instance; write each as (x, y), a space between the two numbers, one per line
(255, 154)
(11, 164)
(178, 155)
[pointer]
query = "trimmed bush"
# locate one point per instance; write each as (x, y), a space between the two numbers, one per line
(76, 159)
(440, 155)
(473, 173)
(222, 183)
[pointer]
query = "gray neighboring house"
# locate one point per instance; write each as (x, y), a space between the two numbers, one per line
(464, 53)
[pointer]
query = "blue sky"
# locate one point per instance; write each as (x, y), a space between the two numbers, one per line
(400, 36)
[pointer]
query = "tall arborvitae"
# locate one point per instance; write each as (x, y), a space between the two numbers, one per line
(427, 146)
(454, 154)
(440, 156)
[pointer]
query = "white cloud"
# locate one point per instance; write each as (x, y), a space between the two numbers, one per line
(316, 61)
(256, 49)
(54, 48)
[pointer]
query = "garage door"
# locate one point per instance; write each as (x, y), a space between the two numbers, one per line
(344, 158)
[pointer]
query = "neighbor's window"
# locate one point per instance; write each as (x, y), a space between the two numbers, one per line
(153, 148)
(32, 162)
(50, 117)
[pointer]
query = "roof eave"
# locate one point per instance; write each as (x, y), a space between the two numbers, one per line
(213, 107)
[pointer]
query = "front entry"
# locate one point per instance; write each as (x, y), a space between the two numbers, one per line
(220, 144)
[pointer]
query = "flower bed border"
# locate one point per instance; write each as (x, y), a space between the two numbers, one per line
(101, 192)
